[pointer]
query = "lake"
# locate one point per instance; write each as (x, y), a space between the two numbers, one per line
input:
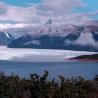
(68, 69)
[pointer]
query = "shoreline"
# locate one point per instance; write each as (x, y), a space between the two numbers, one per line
(84, 60)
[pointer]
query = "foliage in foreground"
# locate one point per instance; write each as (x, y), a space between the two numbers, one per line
(40, 87)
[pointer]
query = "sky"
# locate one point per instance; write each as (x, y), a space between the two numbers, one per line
(39, 11)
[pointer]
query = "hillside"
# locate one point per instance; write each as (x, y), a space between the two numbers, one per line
(93, 57)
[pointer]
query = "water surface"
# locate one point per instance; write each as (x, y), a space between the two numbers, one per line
(67, 69)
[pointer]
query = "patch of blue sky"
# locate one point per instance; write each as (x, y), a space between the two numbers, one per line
(90, 5)
(21, 2)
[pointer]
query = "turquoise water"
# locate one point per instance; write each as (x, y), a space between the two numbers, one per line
(67, 69)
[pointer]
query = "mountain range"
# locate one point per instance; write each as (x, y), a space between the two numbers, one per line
(52, 36)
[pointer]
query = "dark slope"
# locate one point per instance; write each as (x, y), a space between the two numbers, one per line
(5, 38)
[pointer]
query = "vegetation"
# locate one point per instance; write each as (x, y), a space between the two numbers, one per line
(89, 57)
(40, 87)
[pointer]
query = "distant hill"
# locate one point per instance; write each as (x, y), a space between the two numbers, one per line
(93, 57)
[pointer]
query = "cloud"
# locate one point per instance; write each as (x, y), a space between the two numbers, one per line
(86, 39)
(62, 11)
(59, 7)
(18, 14)
(18, 25)
(3, 8)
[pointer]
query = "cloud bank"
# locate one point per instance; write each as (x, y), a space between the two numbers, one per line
(62, 11)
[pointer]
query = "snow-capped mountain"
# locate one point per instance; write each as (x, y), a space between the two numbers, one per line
(5, 38)
(50, 21)
(54, 36)
(50, 27)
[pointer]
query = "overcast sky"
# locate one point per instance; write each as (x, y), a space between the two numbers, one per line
(39, 11)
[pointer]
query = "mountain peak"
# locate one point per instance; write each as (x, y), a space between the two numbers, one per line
(50, 21)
